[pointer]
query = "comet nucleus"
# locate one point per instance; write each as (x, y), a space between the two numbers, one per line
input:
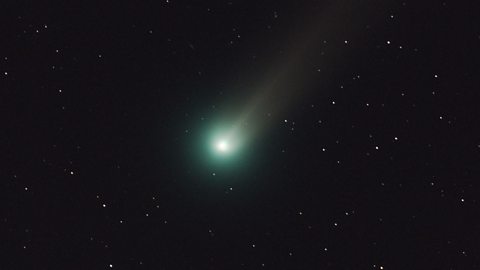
(222, 146)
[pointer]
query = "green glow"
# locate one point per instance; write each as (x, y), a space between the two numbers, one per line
(225, 143)
(220, 149)
(223, 146)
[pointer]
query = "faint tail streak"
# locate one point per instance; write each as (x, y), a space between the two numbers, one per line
(280, 89)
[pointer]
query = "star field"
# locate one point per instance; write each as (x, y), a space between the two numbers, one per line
(240, 135)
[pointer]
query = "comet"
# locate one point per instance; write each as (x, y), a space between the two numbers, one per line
(290, 74)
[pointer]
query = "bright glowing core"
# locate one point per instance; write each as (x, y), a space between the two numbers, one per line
(225, 144)
(222, 146)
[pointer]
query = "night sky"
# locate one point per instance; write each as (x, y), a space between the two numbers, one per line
(265, 134)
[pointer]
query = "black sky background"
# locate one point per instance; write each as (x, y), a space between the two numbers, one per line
(96, 136)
